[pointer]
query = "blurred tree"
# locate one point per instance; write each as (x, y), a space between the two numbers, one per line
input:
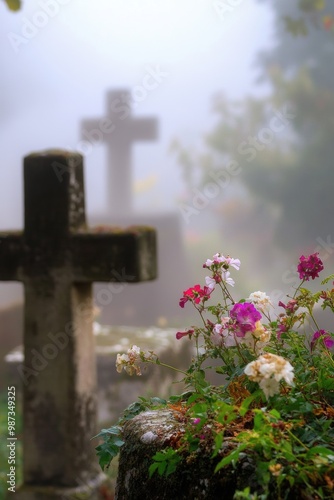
(13, 4)
(283, 142)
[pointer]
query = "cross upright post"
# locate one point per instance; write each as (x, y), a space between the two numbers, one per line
(57, 258)
(119, 129)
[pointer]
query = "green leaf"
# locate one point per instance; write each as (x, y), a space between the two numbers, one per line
(321, 450)
(112, 430)
(219, 438)
(295, 26)
(326, 280)
(152, 468)
(247, 402)
(13, 5)
(231, 457)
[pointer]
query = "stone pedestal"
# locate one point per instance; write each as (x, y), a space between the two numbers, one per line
(193, 479)
(96, 489)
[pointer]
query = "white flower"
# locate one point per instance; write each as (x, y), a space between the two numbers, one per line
(270, 367)
(257, 339)
(261, 333)
(232, 262)
(134, 352)
(129, 361)
(220, 259)
(261, 300)
(221, 335)
(270, 386)
(217, 259)
(227, 279)
(121, 362)
(210, 282)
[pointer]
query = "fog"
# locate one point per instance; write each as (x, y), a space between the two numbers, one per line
(60, 58)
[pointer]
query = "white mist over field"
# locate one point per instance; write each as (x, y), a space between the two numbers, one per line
(59, 58)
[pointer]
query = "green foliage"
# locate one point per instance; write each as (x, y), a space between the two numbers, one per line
(276, 404)
(287, 179)
(165, 462)
(13, 5)
(109, 449)
(112, 437)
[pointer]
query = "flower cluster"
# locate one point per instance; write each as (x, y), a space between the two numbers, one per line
(237, 331)
(240, 325)
(309, 267)
(195, 294)
(130, 361)
(269, 369)
(276, 399)
(219, 266)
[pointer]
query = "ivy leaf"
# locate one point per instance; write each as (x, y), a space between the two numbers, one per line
(13, 5)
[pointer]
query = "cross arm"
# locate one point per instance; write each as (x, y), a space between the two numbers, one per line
(109, 254)
(11, 255)
(144, 129)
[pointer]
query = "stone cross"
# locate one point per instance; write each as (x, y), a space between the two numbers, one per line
(119, 130)
(57, 258)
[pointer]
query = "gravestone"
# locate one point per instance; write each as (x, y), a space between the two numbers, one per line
(119, 130)
(57, 258)
(157, 303)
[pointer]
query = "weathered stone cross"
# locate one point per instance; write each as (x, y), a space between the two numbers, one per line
(57, 258)
(119, 130)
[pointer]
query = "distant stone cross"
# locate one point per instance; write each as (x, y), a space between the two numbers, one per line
(57, 258)
(119, 130)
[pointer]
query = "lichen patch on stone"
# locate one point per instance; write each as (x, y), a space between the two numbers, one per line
(148, 437)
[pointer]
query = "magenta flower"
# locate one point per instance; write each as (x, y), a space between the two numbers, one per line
(309, 267)
(282, 328)
(180, 335)
(324, 336)
(245, 316)
(290, 307)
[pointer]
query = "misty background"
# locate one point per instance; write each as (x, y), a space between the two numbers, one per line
(245, 109)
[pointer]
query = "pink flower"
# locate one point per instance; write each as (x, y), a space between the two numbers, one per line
(232, 262)
(309, 267)
(195, 294)
(189, 332)
(245, 316)
(290, 307)
(220, 260)
(324, 336)
(282, 328)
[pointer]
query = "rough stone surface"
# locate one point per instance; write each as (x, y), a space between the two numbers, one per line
(151, 431)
